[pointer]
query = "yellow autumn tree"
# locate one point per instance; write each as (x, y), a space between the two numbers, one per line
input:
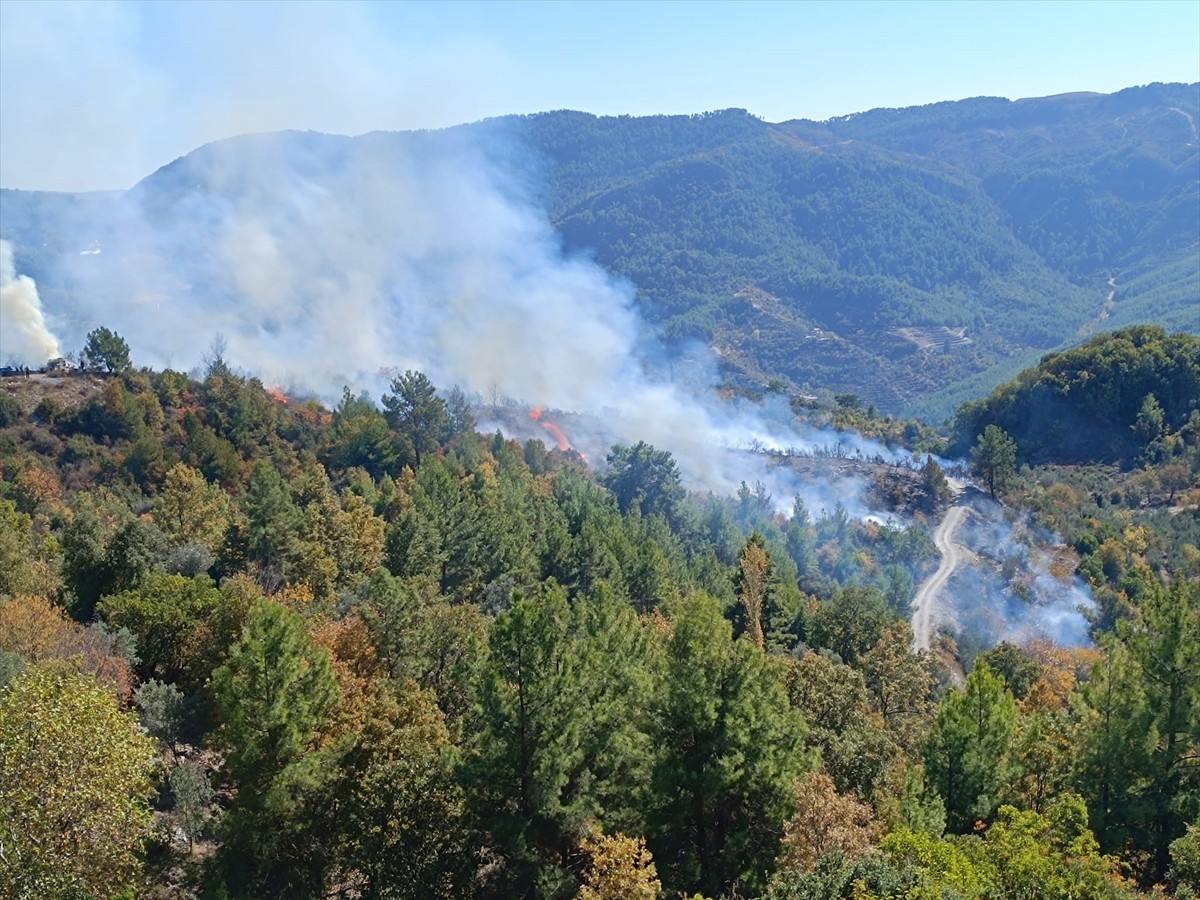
(190, 510)
(621, 868)
(74, 787)
(753, 582)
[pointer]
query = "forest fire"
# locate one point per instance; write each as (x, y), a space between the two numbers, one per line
(278, 394)
(537, 414)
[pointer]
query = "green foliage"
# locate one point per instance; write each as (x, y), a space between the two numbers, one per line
(20, 572)
(1022, 854)
(106, 348)
(402, 829)
(10, 410)
(164, 710)
(941, 865)
(413, 409)
(74, 788)
(730, 750)
(1165, 647)
(272, 520)
(562, 702)
(1185, 861)
(272, 697)
(193, 794)
(100, 560)
(1018, 669)
(1106, 400)
(360, 437)
(967, 755)
(172, 619)
(900, 684)
(190, 510)
(835, 877)
(852, 740)
(850, 622)
(644, 479)
(531, 734)
(512, 575)
(994, 458)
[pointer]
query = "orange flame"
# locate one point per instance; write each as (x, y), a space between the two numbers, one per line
(278, 394)
(536, 415)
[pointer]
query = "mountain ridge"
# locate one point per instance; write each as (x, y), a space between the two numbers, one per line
(1028, 223)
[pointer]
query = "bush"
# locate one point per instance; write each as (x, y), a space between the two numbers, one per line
(45, 413)
(10, 410)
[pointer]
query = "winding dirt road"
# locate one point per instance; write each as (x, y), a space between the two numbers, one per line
(952, 553)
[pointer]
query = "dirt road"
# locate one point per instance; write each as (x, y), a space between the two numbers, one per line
(923, 604)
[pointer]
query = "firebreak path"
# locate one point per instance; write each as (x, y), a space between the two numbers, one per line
(924, 611)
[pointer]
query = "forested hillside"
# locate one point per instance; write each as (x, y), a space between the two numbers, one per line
(915, 257)
(251, 646)
(1123, 397)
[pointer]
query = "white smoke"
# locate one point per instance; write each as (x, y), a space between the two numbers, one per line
(1013, 592)
(25, 339)
(327, 261)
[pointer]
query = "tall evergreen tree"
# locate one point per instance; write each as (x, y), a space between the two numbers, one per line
(730, 750)
(413, 408)
(994, 458)
(272, 697)
(531, 734)
(272, 519)
(1165, 644)
(1139, 727)
(646, 478)
(967, 755)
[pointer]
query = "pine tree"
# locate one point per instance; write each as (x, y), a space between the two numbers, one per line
(994, 458)
(730, 750)
(414, 410)
(967, 755)
(272, 698)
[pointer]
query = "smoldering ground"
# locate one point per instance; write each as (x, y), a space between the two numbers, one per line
(1019, 585)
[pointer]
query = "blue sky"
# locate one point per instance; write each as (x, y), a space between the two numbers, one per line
(98, 94)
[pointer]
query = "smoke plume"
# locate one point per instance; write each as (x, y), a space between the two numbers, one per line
(329, 261)
(25, 339)
(1015, 591)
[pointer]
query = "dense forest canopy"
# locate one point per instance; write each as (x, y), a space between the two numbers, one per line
(1122, 396)
(327, 629)
(293, 651)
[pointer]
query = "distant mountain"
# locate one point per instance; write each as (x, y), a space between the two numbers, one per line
(915, 257)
